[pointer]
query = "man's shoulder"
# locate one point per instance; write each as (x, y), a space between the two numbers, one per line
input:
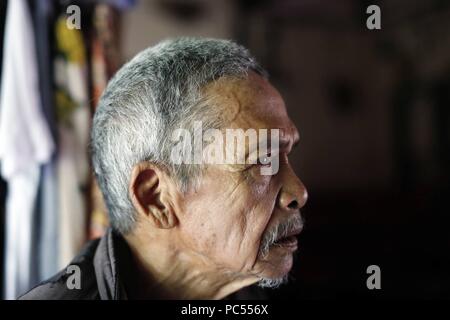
(75, 282)
(58, 288)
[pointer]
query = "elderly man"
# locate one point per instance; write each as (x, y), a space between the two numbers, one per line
(187, 230)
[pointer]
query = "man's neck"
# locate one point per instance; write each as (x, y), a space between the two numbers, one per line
(163, 273)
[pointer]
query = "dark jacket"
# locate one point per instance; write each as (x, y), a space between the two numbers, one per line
(99, 274)
(100, 264)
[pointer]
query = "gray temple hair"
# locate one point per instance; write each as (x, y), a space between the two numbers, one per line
(156, 92)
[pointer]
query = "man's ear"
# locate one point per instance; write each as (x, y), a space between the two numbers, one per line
(146, 184)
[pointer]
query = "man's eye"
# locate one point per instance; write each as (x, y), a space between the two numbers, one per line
(264, 160)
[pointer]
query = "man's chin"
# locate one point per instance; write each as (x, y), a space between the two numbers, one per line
(272, 282)
(276, 265)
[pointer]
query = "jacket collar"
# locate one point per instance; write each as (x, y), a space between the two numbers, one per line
(106, 266)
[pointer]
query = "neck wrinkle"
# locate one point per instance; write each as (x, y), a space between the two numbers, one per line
(174, 275)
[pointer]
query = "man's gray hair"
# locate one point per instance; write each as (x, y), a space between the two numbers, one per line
(158, 91)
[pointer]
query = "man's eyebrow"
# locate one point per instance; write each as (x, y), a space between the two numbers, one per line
(283, 144)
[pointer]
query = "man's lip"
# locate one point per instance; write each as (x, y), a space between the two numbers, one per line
(289, 243)
(292, 233)
(295, 232)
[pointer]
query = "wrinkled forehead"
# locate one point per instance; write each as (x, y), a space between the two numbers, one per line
(251, 102)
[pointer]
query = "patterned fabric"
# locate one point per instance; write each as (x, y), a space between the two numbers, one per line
(73, 117)
(105, 62)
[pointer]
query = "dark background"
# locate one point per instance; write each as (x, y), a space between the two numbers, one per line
(372, 108)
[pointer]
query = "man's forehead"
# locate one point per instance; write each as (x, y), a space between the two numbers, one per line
(250, 103)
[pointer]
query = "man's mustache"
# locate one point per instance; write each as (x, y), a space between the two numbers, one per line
(281, 230)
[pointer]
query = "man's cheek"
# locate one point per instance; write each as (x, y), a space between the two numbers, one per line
(254, 240)
(244, 260)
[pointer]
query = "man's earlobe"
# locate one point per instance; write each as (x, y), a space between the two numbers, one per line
(146, 184)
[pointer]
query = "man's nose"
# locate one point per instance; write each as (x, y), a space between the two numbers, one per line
(293, 194)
